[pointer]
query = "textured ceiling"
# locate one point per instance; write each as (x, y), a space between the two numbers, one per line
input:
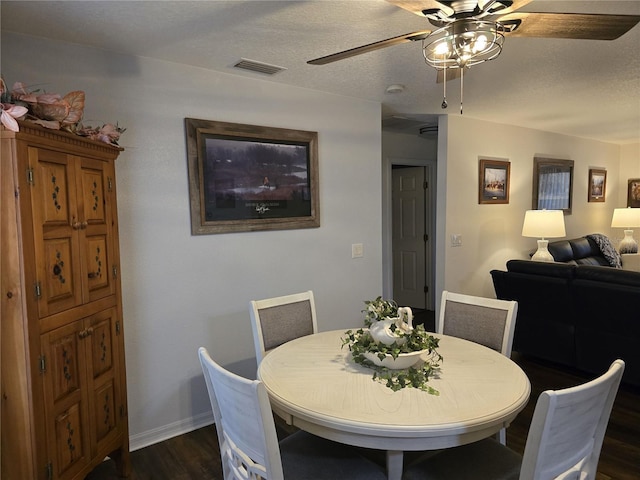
(584, 88)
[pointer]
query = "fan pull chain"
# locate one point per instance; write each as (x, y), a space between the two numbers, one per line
(461, 87)
(444, 97)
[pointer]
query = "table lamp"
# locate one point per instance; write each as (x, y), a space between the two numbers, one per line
(626, 218)
(543, 224)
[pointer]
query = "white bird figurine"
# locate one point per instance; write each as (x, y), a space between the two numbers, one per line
(381, 330)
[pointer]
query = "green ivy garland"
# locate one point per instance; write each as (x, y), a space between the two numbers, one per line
(360, 341)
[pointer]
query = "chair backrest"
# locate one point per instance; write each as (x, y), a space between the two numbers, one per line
(568, 427)
(278, 320)
(487, 321)
(249, 446)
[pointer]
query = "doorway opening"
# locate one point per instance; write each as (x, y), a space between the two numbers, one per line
(411, 238)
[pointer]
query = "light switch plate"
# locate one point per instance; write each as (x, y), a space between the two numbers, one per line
(357, 250)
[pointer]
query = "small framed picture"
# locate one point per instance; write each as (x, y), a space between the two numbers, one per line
(597, 185)
(493, 185)
(633, 193)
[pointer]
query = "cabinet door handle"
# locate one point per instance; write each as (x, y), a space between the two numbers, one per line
(87, 332)
(79, 225)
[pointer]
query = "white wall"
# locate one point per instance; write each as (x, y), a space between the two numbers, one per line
(182, 291)
(629, 168)
(491, 234)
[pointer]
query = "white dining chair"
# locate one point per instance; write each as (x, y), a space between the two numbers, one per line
(275, 321)
(487, 321)
(564, 441)
(249, 446)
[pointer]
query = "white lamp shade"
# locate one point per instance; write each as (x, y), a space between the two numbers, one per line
(625, 218)
(543, 224)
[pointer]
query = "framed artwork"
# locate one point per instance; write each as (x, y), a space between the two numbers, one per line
(248, 177)
(633, 193)
(493, 185)
(597, 185)
(552, 184)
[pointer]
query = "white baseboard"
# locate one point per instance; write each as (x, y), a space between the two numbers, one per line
(160, 434)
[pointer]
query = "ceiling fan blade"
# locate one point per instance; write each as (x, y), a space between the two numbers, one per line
(352, 52)
(417, 6)
(517, 5)
(569, 25)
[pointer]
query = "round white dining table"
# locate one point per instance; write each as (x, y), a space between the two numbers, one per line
(314, 384)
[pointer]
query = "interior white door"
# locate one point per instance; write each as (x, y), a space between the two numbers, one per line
(408, 236)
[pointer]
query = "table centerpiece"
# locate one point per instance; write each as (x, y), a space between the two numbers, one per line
(400, 354)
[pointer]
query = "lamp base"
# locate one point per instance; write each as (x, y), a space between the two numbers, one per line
(543, 254)
(628, 244)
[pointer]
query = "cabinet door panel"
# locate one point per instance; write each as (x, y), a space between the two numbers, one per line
(103, 377)
(93, 194)
(102, 347)
(105, 410)
(66, 402)
(52, 180)
(98, 278)
(94, 191)
(58, 278)
(55, 230)
(69, 444)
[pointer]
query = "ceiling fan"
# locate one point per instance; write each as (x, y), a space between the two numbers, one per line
(469, 32)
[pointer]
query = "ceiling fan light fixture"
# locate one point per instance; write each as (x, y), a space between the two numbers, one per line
(463, 43)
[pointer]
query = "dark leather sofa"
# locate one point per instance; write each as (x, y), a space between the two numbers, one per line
(578, 251)
(580, 314)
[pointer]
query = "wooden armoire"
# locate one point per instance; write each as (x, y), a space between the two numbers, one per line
(64, 401)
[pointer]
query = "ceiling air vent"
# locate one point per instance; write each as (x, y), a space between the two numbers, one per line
(259, 67)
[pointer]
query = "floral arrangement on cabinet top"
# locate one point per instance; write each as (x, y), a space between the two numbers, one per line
(51, 110)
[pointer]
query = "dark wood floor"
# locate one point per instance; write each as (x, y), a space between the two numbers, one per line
(195, 456)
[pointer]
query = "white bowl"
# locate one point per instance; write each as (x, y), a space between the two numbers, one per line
(401, 362)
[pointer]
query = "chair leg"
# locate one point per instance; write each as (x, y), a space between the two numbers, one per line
(501, 436)
(394, 464)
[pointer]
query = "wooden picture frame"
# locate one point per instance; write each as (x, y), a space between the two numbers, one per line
(633, 193)
(597, 185)
(493, 181)
(250, 178)
(552, 184)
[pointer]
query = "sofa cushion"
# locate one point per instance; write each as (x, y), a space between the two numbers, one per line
(584, 247)
(561, 251)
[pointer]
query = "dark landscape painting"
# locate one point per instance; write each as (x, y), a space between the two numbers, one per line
(249, 178)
